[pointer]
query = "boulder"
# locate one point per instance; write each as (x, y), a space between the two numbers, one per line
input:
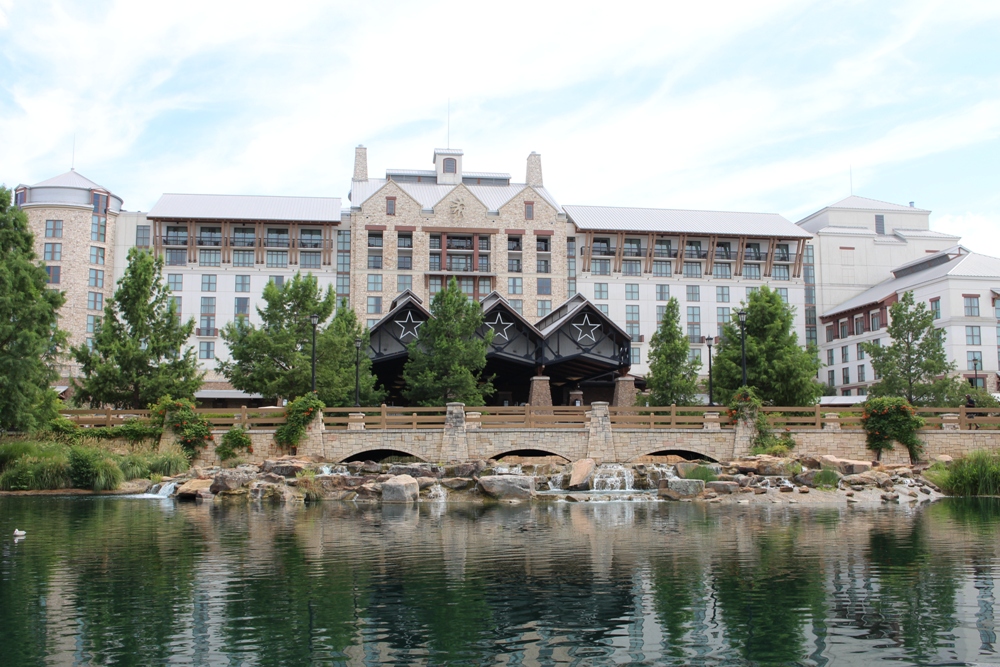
(369, 491)
(808, 477)
(722, 488)
(847, 466)
(400, 489)
(786, 489)
(581, 474)
(230, 480)
(684, 468)
(684, 488)
(192, 489)
(746, 467)
(890, 497)
(508, 487)
(416, 470)
(275, 493)
(272, 478)
(943, 458)
(467, 469)
(803, 489)
(339, 482)
(457, 483)
(426, 482)
(284, 467)
(869, 478)
(771, 466)
(811, 462)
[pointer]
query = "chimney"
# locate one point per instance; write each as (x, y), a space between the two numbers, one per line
(360, 163)
(534, 175)
(911, 204)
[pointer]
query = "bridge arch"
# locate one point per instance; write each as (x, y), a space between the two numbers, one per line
(530, 454)
(378, 455)
(687, 454)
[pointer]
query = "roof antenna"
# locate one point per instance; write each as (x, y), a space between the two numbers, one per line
(72, 164)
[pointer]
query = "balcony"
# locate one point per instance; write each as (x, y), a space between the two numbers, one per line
(311, 244)
(754, 255)
(695, 253)
(209, 240)
(723, 253)
(633, 252)
(668, 253)
(695, 338)
(242, 241)
(206, 332)
(784, 256)
(459, 244)
(175, 240)
(277, 242)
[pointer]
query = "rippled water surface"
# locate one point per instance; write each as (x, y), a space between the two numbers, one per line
(129, 581)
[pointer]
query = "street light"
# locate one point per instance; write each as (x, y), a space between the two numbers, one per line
(708, 341)
(315, 320)
(357, 372)
(742, 314)
(975, 367)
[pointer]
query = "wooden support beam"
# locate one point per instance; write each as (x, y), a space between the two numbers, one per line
(711, 255)
(740, 253)
(681, 253)
(772, 245)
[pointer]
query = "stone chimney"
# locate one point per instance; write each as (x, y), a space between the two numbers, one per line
(534, 175)
(360, 163)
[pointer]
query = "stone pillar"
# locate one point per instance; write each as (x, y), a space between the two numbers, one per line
(712, 422)
(624, 391)
(454, 444)
(949, 422)
(540, 394)
(311, 443)
(360, 163)
(576, 397)
(356, 421)
(600, 439)
(533, 176)
(831, 421)
(473, 421)
(743, 435)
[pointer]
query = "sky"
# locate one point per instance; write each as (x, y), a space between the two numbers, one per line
(775, 105)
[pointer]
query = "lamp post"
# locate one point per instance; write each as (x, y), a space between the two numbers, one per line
(357, 372)
(742, 314)
(709, 341)
(315, 320)
(975, 367)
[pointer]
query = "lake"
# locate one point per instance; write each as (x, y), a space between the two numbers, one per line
(138, 581)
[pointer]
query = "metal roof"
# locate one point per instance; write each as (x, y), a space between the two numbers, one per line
(246, 207)
(430, 173)
(71, 179)
(429, 194)
(676, 221)
(866, 204)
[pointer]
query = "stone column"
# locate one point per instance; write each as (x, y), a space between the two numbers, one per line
(712, 422)
(312, 442)
(454, 444)
(540, 394)
(576, 397)
(624, 391)
(743, 436)
(600, 439)
(949, 422)
(356, 421)
(831, 421)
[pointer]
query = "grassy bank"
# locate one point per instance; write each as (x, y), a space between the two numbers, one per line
(977, 474)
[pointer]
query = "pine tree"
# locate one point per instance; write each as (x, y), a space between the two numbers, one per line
(139, 354)
(447, 359)
(914, 365)
(336, 356)
(778, 368)
(29, 339)
(673, 374)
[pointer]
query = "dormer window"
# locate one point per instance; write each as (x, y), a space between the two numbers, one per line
(450, 165)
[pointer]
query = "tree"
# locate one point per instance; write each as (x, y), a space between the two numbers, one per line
(275, 359)
(914, 365)
(778, 368)
(138, 354)
(447, 358)
(29, 339)
(673, 374)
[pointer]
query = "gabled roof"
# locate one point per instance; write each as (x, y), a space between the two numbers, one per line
(173, 206)
(71, 179)
(493, 300)
(677, 221)
(866, 204)
(428, 195)
(567, 310)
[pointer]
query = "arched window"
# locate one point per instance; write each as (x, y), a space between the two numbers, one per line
(450, 165)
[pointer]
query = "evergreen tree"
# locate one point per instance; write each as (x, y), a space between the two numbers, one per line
(782, 372)
(447, 359)
(336, 355)
(673, 374)
(275, 359)
(914, 365)
(29, 339)
(139, 354)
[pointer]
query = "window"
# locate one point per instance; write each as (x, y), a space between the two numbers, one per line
(661, 248)
(845, 392)
(600, 290)
(846, 373)
(631, 267)
(779, 272)
(375, 239)
(242, 306)
(142, 236)
(782, 294)
(859, 324)
(95, 301)
(973, 336)
(860, 351)
(404, 240)
(390, 206)
(515, 286)
(661, 268)
(211, 236)
(436, 284)
(276, 238)
(514, 265)
(96, 278)
(694, 323)
(692, 269)
(343, 286)
(876, 320)
(277, 259)
(631, 291)
(723, 317)
(722, 294)
(811, 295)
(544, 286)
(98, 228)
(829, 357)
(843, 329)
(831, 378)
(207, 321)
(751, 271)
(97, 255)
(404, 283)
(936, 309)
(603, 307)
(243, 237)
(972, 306)
(93, 322)
(751, 291)
(177, 236)
(375, 262)
(542, 244)
(662, 292)
(723, 271)
(861, 372)
(880, 224)
(209, 282)
(54, 274)
(450, 165)
(544, 307)
(206, 349)
(694, 354)
(374, 305)
(660, 312)
(343, 240)
(404, 262)
(210, 257)
(632, 322)
(374, 282)
(974, 359)
(242, 258)
(571, 286)
(753, 252)
(513, 243)
(279, 281)
(845, 354)
(311, 238)
(175, 301)
(529, 210)
(53, 229)
(781, 253)
(600, 267)
(636, 356)
(693, 293)
(517, 305)
(53, 252)
(543, 265)
(309, 260)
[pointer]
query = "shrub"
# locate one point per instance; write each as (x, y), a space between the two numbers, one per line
(12, 451)
(135, 466)
(937, 474)
(93, 469)
(107, 475)
(704, 473)
(889, 418)
(826, 478)
(746, 407)
(191, 429)
(298, 415)
(136, 430)
(306, 481)
(63, 426)
(17, 475)
(168, 462)
(234, 439)
(977, 474)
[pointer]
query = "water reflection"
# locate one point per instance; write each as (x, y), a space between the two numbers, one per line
(140, 582)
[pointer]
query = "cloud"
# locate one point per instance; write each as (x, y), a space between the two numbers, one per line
(980, 232)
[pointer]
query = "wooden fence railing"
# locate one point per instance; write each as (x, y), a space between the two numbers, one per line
(547, 417)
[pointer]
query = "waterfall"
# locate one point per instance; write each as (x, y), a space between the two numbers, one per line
(437, 493)
(501, 469)
(613, 477)
(166, 490)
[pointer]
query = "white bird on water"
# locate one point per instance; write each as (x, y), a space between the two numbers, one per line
(19, 533)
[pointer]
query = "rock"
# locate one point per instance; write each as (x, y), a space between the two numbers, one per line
(685, 488)
(943, 458)
(869, 478)
(416, 470)
(912, 494)
(746, 467)
(190, 489)
(577, 498)
(369, 491)
(726, 478)
(272, 478)
(849, 494)
(230, 480)
(890, 497)
(284, 467)
(776, 467)
(508, 487)
(197, 473)
(457, 483)
(786, 489)
(811, 462)
(400, 489)
(581, 474)
(904, 472)
(668, 494)
(759, 490)
(339, 482)
(467, 469)
(808, 477)
(846, 466)
(857, 487)
(426, 482)
(684, 468)
(710, 495)
(803, 489)
(924, 489)
(275, 493)
(722, 488)
(747, 489)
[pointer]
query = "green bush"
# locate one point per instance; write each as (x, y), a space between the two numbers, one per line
(298, 415)
(107, 475)
(17, 476)
(234, 442)
(827, 477)
(937, 473)
(93, 469)
(12, 451)
(135, 466)
(889, 418)
(977, 474)
(168, 463)
(64, 427)
(191, 429)
(704, 473)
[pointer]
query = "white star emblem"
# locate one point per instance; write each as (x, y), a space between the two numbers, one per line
(586, 329)
(408, 327)
(496, 324)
